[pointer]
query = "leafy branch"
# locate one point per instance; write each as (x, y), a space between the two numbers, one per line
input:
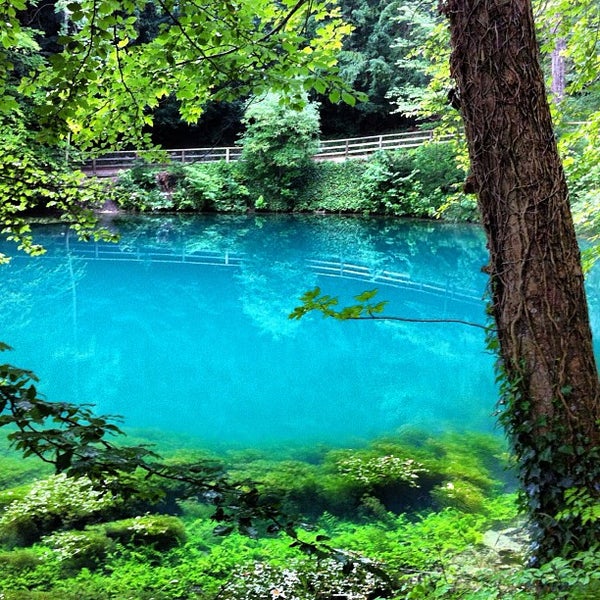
(313, 300)
(77, 443)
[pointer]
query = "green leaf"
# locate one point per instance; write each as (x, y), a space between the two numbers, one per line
(348, 98)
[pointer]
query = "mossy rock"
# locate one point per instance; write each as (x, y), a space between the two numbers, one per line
(19, 560)
(160, 531)
(459, 494)
(77, 550)
(7, 497)
(48, 505)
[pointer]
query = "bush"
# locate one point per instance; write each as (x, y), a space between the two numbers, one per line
(334, 187)
(414, 183)
(278, 146)
(438, 171)
(390, 186)
(212, 187)
(138, 189)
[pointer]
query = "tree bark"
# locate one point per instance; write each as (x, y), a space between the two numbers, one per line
(538, 298)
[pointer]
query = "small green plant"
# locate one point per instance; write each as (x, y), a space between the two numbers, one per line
(211, 187)
(379, 470)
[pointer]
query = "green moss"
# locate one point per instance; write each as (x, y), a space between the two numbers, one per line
(18, 561)
(159, 531)
(352, 495)
(76, 550)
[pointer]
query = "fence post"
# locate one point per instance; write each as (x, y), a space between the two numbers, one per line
(182, 155)
(381, 142)
(227, 154)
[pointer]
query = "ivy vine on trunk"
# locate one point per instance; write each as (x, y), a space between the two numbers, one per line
(551, 404)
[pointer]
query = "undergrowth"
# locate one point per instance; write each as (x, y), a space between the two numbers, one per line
(407, 516)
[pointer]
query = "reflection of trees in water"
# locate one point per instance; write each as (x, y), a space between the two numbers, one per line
(39, 284)
(270, 291)
(423, 251)
(428, 252)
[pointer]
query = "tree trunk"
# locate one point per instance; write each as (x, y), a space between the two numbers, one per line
(552, 407)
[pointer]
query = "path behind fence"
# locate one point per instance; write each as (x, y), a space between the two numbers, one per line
(334, 150)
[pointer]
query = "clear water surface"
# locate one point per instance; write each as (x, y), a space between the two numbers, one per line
(183, 327)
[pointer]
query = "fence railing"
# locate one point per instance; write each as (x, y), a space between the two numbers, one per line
(347, 270)
(335, 150)
(359, 147)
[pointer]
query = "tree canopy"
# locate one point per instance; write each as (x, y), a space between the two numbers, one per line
(101, 87)
(94, 77)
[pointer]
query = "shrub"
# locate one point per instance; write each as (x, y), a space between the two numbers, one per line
(391, 187)
(212, 187)
(438, 171)
(138, 189)
(334, 187)
(278, 146)
(415, 183)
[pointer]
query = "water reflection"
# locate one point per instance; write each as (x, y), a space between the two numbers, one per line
(183, 326)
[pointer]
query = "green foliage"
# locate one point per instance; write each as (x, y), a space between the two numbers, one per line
(574, 578)
(106, 81)
(415, 24)
(35, 179)
(97, 85)
(314, 300)
(138, 189)
(77, 445)
(51, 504)
(158, 531)
(392, 475)
(19, 560)
(390, 186)
(278, 146)
(212, 187)
(463, 495)
(557, 473)
(416, 183)
(17, 471)
(76, 550)
(378, 470)
(305, 580)
(371, 550)
(333, 188)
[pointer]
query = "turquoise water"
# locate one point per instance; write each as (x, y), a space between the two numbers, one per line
(183, 327)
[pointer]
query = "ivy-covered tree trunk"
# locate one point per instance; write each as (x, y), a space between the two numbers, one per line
(552, 406)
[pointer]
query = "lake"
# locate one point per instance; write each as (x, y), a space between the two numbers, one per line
(183, 327)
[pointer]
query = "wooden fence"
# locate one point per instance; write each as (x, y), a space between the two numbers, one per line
(334, 150)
